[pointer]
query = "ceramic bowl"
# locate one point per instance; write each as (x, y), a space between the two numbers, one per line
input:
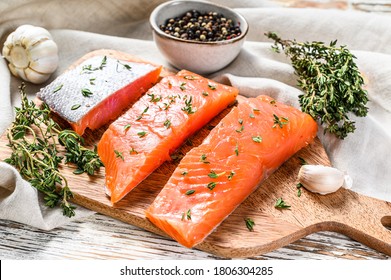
(196, 56)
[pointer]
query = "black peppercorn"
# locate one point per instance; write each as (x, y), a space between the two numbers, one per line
(199, 26)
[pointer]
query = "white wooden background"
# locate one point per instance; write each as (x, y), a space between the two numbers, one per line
(101, 237)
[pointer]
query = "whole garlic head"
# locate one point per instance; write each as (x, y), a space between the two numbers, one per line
(323, 179)
(32, 54)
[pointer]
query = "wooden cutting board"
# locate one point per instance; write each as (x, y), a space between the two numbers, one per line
(362, 218)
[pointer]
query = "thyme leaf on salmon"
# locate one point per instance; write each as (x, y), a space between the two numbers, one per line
(279, 121)
(211, 185)
(332, 83)
(89, 69)
(167, 123)
(86, 92)
(58, 88)
(34, 138)
(119, 154)
(189, 192)
(231, 175)
(257, 139)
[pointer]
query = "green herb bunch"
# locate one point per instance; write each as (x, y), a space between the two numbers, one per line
(331, 81)
(34, 137)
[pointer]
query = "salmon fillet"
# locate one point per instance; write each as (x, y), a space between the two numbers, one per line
(249, 143)
(98, 89)
(156, 125)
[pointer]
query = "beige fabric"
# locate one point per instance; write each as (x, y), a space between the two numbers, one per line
(81, 26)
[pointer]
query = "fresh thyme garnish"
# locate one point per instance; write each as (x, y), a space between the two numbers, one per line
(212, 87)
(75, 107)
(280, 122)
(237, 149)
(251, 115)
(302, 161)
(299, 186)
(280, 203)
(133, 151)
(167, 123)
(187, 215)
(240, 129)
(189, 192)
(211, 185)
(184, 173)
(188, 108)
(331, 81)
(141, 134)
(257, 139)
(203, 159)
(240, 121)
(118, 154)
(154, 98)
(34, 138)
(182, 86)
(231, 174)
(249, 224)
(126, 127)
(92, 81)
(204, 93)
(190, 77)
(86, 92)
(58, 88)
(126, 66)
(88, 68)
(212, 174)
(142, 113)
(86, 160)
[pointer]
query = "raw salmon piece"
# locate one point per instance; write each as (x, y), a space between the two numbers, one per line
(98, 90)
(249, 143)
(156, 125)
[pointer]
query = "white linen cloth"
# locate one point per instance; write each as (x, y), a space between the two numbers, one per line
(82, 26)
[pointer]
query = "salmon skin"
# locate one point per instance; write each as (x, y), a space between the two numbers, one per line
(98, 90)
(156, 125)
(249, 143)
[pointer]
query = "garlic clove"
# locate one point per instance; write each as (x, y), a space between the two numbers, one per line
(322, 179)
(35, 77)
(18, 72)
(45, 65)
(6, 51)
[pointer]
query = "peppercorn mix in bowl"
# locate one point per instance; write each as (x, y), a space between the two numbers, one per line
(197, 35)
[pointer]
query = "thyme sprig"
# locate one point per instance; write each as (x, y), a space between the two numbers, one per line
(34, 139)
(331, 81)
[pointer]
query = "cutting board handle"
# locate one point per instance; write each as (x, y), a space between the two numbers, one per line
(363, 224)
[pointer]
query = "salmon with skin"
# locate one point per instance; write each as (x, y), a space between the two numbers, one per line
(98, 90)
(248, 145)
(156, 125)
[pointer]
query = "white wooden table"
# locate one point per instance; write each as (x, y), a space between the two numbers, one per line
(101, 237)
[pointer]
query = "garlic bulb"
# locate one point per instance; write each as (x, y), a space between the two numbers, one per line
(323, 179)
(32, 54)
